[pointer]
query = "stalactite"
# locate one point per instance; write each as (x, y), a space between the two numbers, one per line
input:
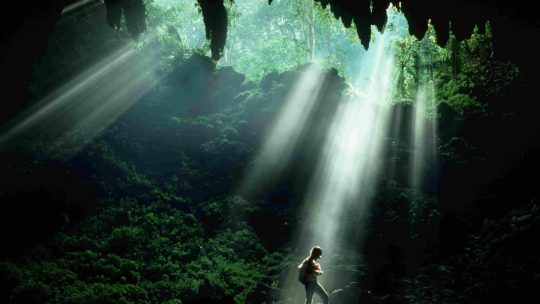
(133, 12)
(215, 22)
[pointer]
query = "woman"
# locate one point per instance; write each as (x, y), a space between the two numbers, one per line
(313, 269)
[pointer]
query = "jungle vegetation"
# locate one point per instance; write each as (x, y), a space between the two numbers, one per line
(143, 211)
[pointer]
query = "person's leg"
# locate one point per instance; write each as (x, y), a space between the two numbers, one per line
(310, 290)
(321, 292)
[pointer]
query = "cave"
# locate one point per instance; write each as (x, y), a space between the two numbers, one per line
(204, 151)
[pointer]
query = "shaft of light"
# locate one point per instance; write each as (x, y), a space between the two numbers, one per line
(75, 6)
(80, 109)
(425, 135)
(283, 136)
(346, 175)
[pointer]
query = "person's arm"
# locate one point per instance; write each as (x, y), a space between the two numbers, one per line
(317, 269)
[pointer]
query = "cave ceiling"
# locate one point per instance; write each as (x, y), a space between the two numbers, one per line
(456, 16)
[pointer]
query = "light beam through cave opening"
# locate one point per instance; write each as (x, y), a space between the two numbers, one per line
(347, 172)
(79, 110)
(282, 138)
(424, 145)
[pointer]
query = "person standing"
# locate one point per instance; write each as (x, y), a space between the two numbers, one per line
(310, 270)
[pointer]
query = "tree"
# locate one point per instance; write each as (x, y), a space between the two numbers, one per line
(406, 52)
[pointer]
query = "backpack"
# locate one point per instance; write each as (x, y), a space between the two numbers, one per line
(302, 270)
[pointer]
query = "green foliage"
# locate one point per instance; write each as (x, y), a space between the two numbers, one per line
(156, 254)
(230, 211)
(466, 74)
(286, 34)
(408, 207)
(462, 103)
(113, 174)
(178, 27)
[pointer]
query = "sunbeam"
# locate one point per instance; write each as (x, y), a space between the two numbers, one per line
(282, 137)
(79, 110)
(424, 136)
(346, 174)
(76, 6)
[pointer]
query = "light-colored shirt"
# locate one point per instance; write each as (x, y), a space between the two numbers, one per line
(311, 271)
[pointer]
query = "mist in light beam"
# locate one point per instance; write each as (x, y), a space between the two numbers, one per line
(79, 110)
(347, 172)
(424, 137)
(282, 138)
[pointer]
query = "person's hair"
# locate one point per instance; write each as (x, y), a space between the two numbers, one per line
(314, 250)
